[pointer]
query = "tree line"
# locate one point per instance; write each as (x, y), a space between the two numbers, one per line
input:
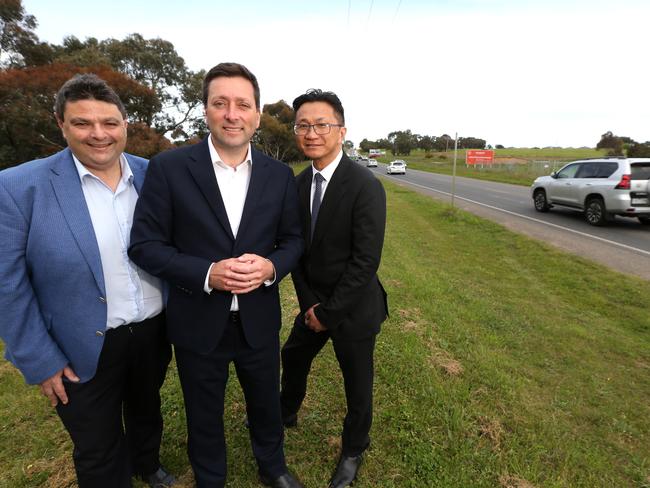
(623, 146)
(402, 142)
(162, 96)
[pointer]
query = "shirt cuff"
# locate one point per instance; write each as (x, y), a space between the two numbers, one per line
(270, 282)
(206, 286)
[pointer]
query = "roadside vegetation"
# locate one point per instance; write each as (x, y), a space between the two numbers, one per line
(519, 166)
(504, 363)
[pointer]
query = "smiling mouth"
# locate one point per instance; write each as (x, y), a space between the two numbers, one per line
(233, 129)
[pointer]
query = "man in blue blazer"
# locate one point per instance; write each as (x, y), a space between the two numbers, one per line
(78, 318)
(219, 221)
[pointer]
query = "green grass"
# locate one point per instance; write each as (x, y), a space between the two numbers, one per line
(504, 362)
(519, 166)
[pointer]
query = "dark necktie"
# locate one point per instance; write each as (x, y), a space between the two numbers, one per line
(318, 196)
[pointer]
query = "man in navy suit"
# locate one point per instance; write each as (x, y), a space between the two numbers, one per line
(343, 216)
(219, 221)
(78, 318)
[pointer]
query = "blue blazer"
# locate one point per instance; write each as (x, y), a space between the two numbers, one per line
(180, 227)
(52, 293)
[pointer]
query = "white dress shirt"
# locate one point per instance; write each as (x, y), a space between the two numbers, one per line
(132, 295)
(327, 174)
(233, 185)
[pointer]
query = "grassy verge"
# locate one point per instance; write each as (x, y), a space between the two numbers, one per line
(519, 166)
(504, 364)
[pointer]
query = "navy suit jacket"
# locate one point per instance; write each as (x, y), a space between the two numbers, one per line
(181, 227)
(52, 293)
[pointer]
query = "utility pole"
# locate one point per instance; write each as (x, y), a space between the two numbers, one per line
(453, 172)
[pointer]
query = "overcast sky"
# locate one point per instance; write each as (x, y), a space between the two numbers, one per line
(514, 72)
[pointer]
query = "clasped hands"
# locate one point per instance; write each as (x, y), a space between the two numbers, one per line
(241, 275)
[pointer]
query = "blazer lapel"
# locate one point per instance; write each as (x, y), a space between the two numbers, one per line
(333, 196)
(200, 165)
(71, 200)
(259, 177)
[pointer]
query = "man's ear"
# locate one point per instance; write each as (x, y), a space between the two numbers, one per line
(59, 122)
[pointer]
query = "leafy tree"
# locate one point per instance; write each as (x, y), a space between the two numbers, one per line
(16, 31)
(402, 142)
(639, 150)
(28, 129)
(275, 135)
(443, 143)
(427, 143)
(609, 141)
(471, 143)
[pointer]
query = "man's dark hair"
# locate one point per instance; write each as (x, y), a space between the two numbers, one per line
(86, 87)
(230, 70)
(318, 95)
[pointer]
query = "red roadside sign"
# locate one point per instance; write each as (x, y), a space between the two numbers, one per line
(479, 156)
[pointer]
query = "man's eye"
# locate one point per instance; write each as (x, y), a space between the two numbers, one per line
(321, 126)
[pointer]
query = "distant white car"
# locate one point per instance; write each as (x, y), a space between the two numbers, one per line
(371, 163)
(396, 167)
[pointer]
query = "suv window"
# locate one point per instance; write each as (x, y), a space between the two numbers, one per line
(568, 171)
(596, 170)
(641, 171)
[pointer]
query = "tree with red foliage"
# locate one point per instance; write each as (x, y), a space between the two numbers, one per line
(28, 129)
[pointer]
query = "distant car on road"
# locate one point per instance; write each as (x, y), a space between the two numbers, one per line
(396, 167)
(371, 163)
(362, 160)
(601, 188)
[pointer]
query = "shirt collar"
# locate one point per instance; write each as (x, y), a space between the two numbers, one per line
(328, 170)
(127, 174)
(216, 159)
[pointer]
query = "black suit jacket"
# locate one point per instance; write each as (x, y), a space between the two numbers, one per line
(180, 227)
(339, 266)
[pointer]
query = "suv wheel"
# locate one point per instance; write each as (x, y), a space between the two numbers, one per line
(541, 205)
(644, 220)
(595, 211)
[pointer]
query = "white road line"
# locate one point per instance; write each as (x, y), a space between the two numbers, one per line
(568, 229)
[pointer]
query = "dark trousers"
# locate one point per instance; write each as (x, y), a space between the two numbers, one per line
(114, 419)
(355, 359)
(203, 379)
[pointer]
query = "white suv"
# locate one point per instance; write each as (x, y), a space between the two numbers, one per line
(601, 188)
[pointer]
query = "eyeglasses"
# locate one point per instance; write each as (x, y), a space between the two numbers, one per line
(319, 129)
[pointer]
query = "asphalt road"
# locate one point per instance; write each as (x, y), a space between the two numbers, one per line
(623, 245)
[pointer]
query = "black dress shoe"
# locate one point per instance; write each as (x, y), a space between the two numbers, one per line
(284, 481)
(346, 471)
(160, 479)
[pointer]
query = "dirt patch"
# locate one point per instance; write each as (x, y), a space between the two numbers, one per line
(61, 470)
(334, 441)
(443, 360)
(395, 283)
(509, 481)
(492, 430)
(409, 325)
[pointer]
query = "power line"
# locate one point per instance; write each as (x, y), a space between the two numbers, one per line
(349, 8)
(369, 13)
(399, 4)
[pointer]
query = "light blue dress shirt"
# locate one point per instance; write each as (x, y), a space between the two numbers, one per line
(132, 295)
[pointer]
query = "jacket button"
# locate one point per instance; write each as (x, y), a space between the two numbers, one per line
(102, 299)
(99, 333)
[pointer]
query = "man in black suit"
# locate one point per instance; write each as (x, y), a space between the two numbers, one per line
(343, 215)
(219, 221)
